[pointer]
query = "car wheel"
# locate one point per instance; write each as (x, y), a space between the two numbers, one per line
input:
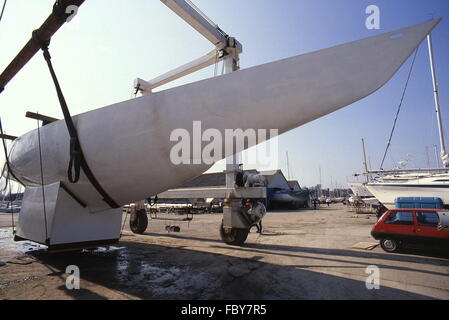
(389, 245)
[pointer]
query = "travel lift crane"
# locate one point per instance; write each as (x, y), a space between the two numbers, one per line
(89, 212)
(237, 218)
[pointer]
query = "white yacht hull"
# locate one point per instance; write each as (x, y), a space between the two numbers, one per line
(387, 193)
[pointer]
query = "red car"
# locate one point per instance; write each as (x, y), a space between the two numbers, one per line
(414, 226)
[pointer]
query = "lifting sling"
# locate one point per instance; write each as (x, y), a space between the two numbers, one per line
(77, 159)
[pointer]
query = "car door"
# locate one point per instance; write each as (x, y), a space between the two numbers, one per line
(428, 226)
(401, 224)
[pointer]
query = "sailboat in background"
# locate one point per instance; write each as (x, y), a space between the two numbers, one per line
(361, 194)
(296, 196)
(428, 183)
(293, 196)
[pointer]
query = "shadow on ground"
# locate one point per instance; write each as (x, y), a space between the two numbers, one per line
(159, 272)
(440, 255)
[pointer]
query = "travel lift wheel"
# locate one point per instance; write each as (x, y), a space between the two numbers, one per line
(233, 236)
(138, 221)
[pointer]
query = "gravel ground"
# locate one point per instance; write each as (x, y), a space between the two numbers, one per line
(303, 254)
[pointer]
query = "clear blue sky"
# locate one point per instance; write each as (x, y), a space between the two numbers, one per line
(111, 42)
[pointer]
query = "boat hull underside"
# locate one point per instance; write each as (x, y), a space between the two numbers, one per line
(127, 145)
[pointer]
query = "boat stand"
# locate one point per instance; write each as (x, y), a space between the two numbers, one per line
(65, 222)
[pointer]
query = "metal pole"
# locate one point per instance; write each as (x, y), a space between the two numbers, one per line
(332, 187)
(320, 193)
(437, 158)
(365, 163)
(232, 162)
(437, 100)
(288, 166)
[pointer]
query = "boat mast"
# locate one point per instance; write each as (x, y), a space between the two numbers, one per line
(288, 166)
(444, 155)
(365, 163)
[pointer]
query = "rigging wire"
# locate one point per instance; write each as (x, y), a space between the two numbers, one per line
(222, 67)
(216, 64)
(8, 177)
(399, 108)
(123, 225)
(3, 10)
(42, 180)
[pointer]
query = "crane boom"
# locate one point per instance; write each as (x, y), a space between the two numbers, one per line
(226, 47)
(194, 17)
(46, 31)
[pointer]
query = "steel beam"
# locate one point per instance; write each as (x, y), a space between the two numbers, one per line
(194, 17)
(46, 31)
(45, 119)
(220, 192)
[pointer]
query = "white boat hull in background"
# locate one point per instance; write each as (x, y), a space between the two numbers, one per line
(359, 189)
(387, 193)
(368, 201)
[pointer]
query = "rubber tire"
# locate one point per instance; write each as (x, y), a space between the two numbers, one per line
(390, 245)
(236, 237)
(138, 221)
